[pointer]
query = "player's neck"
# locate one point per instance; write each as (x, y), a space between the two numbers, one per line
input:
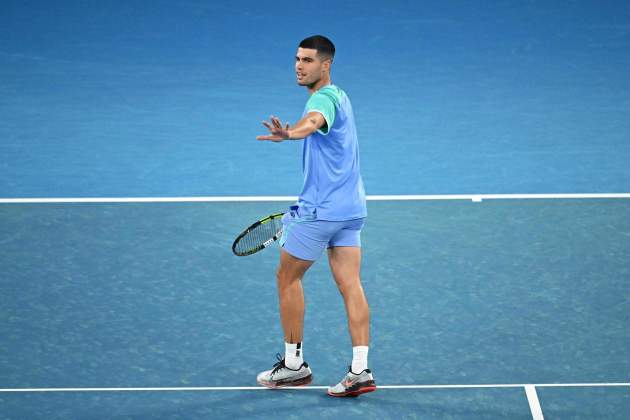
(324, 81)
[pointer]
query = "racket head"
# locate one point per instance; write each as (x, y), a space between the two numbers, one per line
(258, 236)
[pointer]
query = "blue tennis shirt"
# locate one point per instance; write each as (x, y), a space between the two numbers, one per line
(333, 189)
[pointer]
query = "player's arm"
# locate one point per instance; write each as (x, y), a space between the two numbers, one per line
(312, 122)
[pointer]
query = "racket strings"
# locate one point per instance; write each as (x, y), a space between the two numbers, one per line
(257, 236)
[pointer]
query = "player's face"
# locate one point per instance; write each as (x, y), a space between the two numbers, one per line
(309, 69)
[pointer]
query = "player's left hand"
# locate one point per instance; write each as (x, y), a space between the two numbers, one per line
(279, 132)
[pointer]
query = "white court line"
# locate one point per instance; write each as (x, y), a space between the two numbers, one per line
(218, 199)
(225, 199)
(534, 404)
(306, 388)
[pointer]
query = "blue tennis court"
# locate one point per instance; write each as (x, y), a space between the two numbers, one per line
(494, 148)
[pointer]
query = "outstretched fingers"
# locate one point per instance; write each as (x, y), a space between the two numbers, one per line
(277, 131)
(275, 121)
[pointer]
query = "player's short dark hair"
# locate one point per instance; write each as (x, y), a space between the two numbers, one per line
(324, 46)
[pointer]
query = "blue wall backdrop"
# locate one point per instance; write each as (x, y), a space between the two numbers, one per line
(141, 98)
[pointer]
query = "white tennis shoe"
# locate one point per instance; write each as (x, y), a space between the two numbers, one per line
(353, 384)
(282, 376)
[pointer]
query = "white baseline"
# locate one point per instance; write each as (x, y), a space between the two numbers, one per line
(225, 199)
(307, 388)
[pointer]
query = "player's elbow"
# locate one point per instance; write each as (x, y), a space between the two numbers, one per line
(315, 123)
(316, 119)
(313, 126)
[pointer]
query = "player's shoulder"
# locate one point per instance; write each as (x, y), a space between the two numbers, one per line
(332, 92)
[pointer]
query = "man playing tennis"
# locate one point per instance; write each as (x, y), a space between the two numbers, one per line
(329, 214)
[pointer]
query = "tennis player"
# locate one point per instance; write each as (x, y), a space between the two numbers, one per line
(329, 215)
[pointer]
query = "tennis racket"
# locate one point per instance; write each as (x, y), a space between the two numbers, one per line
(258, 236)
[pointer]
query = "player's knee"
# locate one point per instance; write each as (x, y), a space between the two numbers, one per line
(349, 285)
(284, 278)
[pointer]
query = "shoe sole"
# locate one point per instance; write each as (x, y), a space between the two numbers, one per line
(300, 382)
(356, 393)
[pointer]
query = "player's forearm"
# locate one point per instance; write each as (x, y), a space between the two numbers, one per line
(303, 128)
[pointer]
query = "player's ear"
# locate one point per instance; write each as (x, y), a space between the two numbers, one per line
(327, 62)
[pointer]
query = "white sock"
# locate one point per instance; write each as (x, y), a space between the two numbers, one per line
(293, 357)
(359, 358)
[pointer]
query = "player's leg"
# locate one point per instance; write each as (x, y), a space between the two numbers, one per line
(301, 246)
(290, 370)
(291, 295)
(344, 257)
(345, 265)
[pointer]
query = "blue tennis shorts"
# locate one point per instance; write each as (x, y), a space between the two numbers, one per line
(305, 237)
